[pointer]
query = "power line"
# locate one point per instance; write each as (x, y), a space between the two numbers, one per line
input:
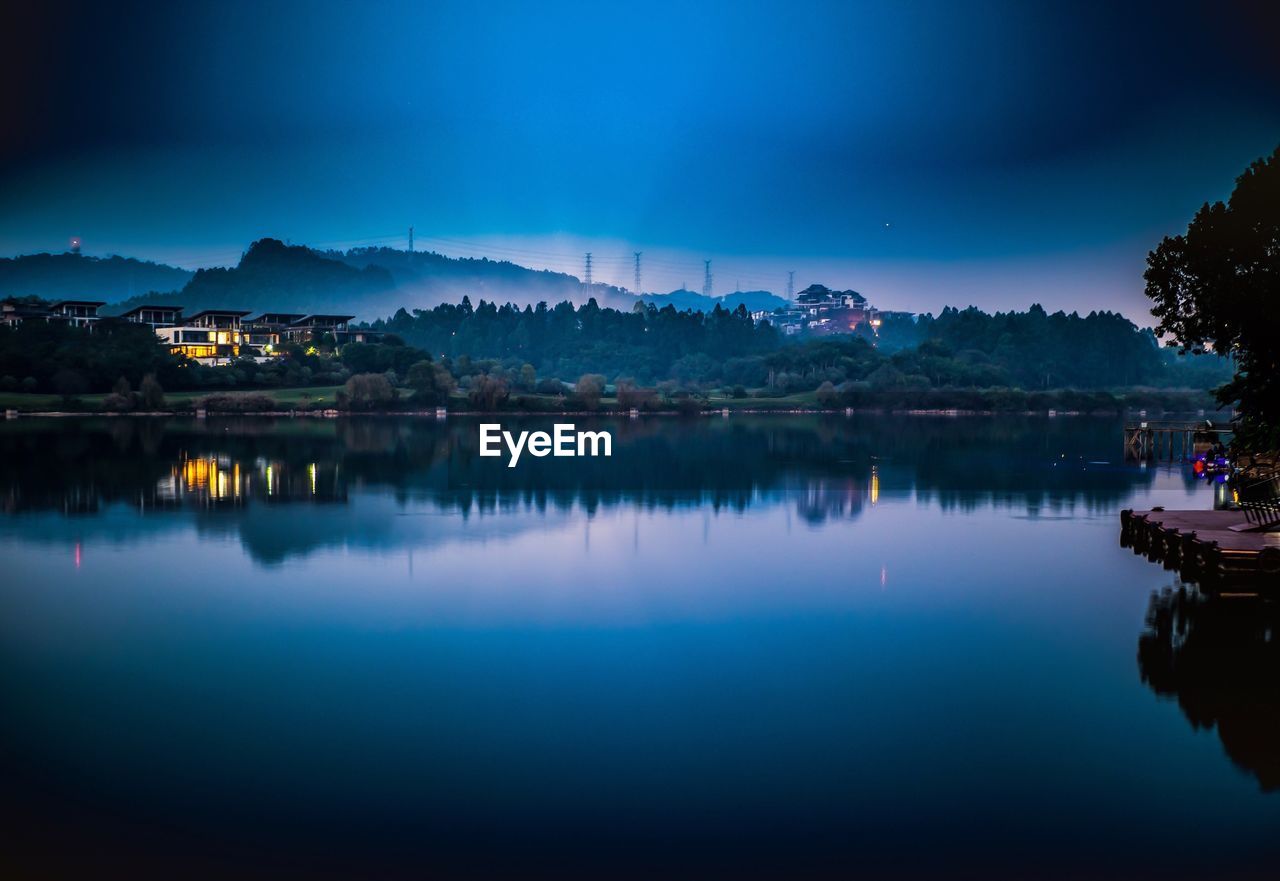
(706, 278)
(586, 278)
(639, 290)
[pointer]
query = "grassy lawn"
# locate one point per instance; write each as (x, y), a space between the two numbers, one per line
(20, 401)
(320, 394)
(801, 400)
(286, 397)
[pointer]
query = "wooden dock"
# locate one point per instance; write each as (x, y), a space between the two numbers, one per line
(1212, 548)
(1159, 440)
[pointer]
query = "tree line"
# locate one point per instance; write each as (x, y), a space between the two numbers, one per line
(958, 348)
(495, 353)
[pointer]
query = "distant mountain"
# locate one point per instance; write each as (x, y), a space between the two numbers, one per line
(273, 276)
(424, 279)
(682, 299)
(366, 282)
(77, 277)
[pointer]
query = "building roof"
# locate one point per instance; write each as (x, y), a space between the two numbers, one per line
(324, 319)
(237, 313)
(77, 303)
(277, 318)
(136, 309)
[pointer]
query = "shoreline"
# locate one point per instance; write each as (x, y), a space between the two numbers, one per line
(721, 412)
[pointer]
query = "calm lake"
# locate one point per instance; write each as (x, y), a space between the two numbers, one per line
(798, 645)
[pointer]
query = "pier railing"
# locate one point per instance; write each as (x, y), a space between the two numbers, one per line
(1171, 440)
(1260, 501)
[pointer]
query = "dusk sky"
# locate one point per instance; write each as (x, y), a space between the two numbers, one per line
(925, 154)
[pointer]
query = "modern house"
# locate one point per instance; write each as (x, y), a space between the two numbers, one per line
(266, 332)
(155, 316)
(363, 336)
(13, 313)
(81, 313)
(208, 336)
(307, 328)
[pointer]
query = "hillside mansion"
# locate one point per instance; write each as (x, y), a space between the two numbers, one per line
(210, 336)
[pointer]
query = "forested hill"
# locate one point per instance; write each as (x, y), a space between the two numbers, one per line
(77, 277)
(273, 276)
(367, 282)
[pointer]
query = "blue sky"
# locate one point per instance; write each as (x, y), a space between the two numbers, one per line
(987, 153)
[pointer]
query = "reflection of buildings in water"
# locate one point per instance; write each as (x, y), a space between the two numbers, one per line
(211, 481)
(1219, 657)
(818, 501)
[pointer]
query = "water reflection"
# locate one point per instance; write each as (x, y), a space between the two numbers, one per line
(825, 468)
(739, 646)
(1219, 657)
(219, 480)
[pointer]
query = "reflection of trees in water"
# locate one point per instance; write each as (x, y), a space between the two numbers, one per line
(1220, 658)
(822, 462)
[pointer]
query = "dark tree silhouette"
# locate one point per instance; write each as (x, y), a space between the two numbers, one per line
(1218, 286)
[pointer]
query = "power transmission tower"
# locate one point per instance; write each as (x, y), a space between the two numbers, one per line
(638, 291)
(706, 279)
(791, 286)
(411, 239)
(586, 278)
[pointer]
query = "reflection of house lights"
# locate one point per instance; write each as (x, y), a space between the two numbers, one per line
(311, 472)
(195, 472)
(269, 475)
(875, 485)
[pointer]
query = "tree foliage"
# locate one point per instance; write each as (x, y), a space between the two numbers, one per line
(366, 391)
(1218, 286)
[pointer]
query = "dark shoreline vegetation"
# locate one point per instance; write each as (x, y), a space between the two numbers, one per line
(330, 402)
(588, 359)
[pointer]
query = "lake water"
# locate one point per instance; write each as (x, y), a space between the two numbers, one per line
(887, 646)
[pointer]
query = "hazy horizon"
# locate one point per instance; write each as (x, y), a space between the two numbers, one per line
(891, 287)
(925, 155)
